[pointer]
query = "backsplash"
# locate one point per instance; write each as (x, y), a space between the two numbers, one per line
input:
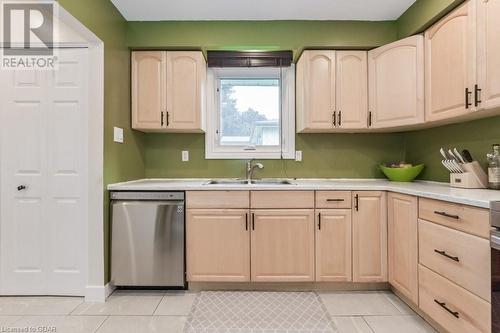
(477, 136)
(324, 155)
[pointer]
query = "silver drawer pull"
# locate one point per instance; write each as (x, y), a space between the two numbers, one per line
(456, 217)
(444, 254)
(443, 305)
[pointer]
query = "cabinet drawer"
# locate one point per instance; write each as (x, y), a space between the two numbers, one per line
(217, 199)
(462, 258)
(465, 218)
(473, 312)
(333, 199)
(282, 199)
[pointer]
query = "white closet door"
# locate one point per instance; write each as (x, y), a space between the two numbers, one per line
(67, 152)
(24, 163)
(44, 148)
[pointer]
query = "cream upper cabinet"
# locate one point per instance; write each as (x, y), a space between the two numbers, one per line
(218, 245)
(282, 245)
(168, 91)
(403, 244)
(488, 25)
(148, 90)
(396, 83)
(333, 245)
(315, 85)
(352, 90)
(450, 61)
(186, 80)
(369, 236)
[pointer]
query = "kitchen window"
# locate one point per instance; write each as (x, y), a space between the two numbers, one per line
(251, 113)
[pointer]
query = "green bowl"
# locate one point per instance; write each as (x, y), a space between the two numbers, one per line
(402, 174)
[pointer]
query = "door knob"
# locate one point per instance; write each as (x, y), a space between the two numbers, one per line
(21, 187)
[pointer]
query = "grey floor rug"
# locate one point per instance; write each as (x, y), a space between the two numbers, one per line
(258, 312)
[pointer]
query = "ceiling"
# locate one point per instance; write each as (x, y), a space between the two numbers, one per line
(183, 10)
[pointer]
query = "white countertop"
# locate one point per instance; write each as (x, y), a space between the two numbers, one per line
(433, 190)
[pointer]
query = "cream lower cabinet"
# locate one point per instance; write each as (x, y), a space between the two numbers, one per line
(218, 245)
(403, 244)
(168, 91)
(396, 83)
(333, 245)
(282, 245)
(369, 236)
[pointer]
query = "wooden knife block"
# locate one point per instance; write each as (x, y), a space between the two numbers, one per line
(474, 177)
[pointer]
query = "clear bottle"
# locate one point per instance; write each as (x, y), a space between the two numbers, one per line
(494, 168)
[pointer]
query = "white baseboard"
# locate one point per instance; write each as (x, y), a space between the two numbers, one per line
(99, 293)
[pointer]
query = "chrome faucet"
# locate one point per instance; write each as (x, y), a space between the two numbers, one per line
(250, 168)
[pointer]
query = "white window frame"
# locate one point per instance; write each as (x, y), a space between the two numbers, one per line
(287, 117)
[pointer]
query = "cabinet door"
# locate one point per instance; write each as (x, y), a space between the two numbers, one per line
(450, 64)
(403, 244)
(148, 89)
(488, 54)
(396, 83)
(218, 245)
(352, 89)
(369, 237)
(186, 77)
(282, 245)
(333, 245)
(316, 91)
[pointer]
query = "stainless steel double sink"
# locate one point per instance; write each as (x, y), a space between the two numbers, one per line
(269, 181)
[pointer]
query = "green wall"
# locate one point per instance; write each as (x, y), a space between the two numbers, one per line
(121, 161)
(324, 155)
(260, 35)
(422, 14)
(477, 136)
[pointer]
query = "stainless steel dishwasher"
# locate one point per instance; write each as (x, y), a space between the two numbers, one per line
(147, 239)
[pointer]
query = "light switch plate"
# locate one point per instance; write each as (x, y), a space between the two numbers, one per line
(118, 134)
(298, 156)
(185, 156)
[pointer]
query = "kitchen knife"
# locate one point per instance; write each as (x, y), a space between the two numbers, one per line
(457, 153)
(467, 156)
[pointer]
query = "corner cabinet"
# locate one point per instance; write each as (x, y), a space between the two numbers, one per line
(396, 84)
(369, 236)
(332, 91)
(403, 244)
(168, 91)
(450, 63)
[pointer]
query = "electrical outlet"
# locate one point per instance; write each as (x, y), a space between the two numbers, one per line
(298, 156)
(185, 156)
(118, 134)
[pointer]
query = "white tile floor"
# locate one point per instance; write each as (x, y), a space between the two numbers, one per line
(166, 312)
